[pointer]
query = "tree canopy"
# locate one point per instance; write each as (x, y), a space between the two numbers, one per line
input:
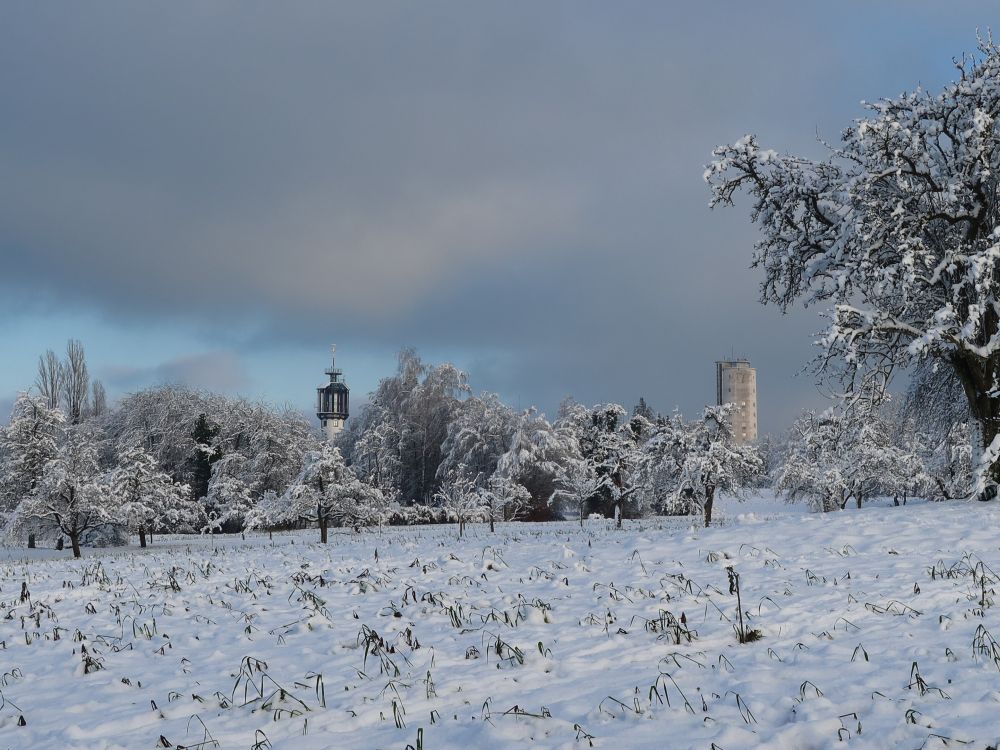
(896, 231)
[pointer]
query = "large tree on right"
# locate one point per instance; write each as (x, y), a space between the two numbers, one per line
(897, 230)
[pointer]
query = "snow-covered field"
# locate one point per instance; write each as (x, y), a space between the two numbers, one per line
(876, 632)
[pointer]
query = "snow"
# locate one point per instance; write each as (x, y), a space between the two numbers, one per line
(223, 638)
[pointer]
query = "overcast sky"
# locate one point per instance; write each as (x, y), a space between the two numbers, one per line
(212, 193)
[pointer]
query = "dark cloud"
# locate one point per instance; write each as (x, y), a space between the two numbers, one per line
(519, 183)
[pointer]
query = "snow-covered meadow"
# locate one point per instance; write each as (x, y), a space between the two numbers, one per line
(877, 631)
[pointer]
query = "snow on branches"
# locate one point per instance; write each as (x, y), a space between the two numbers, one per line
(896, 230)
(71, 495)
(147, 498)
(326, 492)
(712, 461)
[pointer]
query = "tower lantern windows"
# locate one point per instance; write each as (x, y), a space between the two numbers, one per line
(333, 402)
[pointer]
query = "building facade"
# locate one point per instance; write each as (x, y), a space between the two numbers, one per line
(333, 401)
(736, 383)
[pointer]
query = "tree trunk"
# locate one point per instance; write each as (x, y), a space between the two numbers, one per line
(581, 515)
(492, 526)
(142, 536)
(321, 518)
(709, 502)
(618, 516)
(75, 539)
(987, 414)
(977, 380)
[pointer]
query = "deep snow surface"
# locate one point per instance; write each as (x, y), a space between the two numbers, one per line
(543, 635)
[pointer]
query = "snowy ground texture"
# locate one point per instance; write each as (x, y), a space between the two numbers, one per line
(876, 633)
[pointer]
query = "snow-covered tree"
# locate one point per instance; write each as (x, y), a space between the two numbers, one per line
(811, 472)
(658, 467)
(933, 403)
(229, 451)
(429, 409)
(839, 456)
(577, 483)
(146, 498)
(712, 461)
(478, 435)
(897, 229)
(27, 443)
(462, 499)
(399, 438)
(642, 409)
(204, 453)
(505, 499)
(870, 460)
(535, 456)
(71, 495)
(164, 420)
(949, 464)
(256, 450)
(326, 492)
(903, 473)
(904, 463)
(375, 453)
(611, 444)
(229, 497)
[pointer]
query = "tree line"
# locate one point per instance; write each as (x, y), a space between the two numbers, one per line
(426, 448)
(172, 459)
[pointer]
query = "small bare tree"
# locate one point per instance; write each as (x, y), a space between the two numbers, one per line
(50, 378)
(75, 382)
(98, 399)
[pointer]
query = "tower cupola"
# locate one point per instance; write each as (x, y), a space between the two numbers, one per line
(332, 400)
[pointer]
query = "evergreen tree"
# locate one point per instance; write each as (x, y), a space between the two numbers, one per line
(642, 410)
(205, 455)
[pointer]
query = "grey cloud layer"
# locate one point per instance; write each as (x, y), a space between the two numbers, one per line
(515, 177)
(213, 371)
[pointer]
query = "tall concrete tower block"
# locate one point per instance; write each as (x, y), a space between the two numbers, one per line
(736, 383)
(332, 401)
